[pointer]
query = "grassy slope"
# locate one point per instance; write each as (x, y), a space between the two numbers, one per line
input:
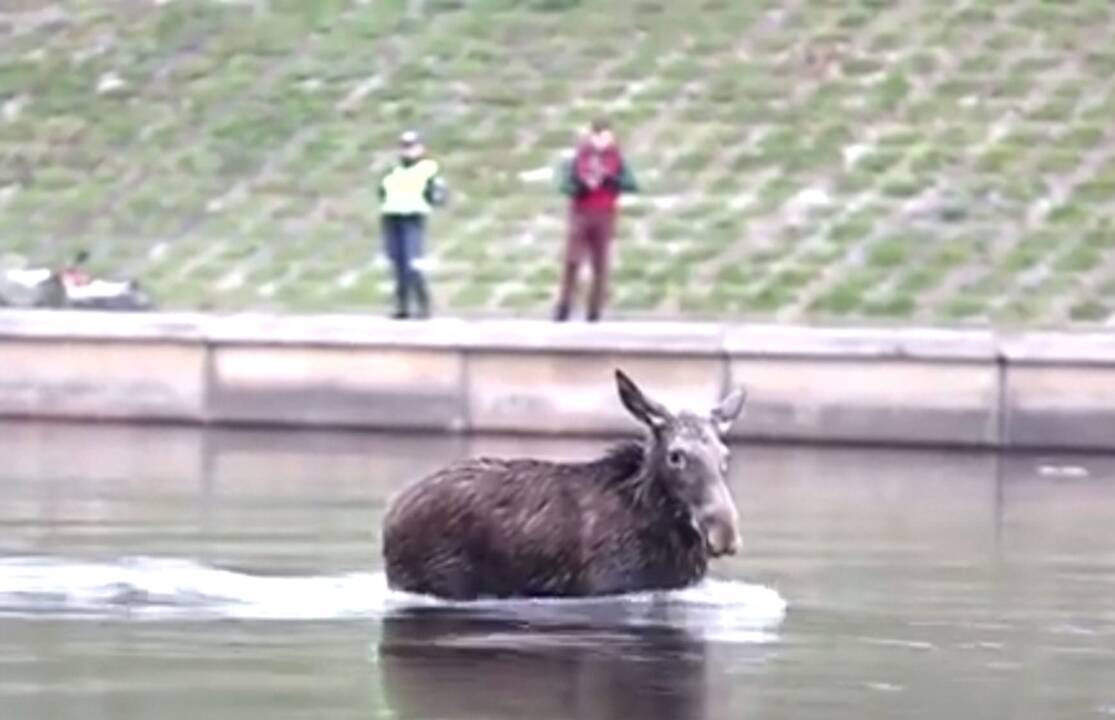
(826, 159)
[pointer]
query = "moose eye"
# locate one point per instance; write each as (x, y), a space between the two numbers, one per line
(676, 459)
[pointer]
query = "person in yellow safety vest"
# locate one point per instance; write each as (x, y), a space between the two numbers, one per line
(407, 193)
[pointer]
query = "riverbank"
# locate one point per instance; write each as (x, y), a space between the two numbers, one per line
(929, 387)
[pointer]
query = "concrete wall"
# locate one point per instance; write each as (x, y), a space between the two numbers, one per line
(82, 379)
(849, 385)
(1059, 391)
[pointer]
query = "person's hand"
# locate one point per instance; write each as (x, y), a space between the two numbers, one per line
(437, 194)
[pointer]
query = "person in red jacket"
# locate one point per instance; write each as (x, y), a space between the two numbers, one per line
(594, 178)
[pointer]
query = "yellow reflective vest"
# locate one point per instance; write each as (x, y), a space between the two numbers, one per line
(404, 188)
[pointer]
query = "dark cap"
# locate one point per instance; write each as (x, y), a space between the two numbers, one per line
(600, 124)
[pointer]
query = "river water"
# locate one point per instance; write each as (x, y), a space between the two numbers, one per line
(175, 573)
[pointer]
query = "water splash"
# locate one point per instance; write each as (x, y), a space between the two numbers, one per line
(162, 588)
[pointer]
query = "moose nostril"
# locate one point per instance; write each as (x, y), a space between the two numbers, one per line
(722, 540)
(733, 546)
(721, 531)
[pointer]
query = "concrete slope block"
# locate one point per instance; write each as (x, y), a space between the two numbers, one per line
(920, 386)
(337, 386)
(1061, 406)
(553, 393)
(102, 379)
(874, 401)
(1059, 390)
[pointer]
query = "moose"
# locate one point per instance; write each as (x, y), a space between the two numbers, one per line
(647, 515)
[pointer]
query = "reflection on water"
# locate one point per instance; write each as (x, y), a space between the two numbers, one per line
(920, 584)
(467, 665)
(638, 656)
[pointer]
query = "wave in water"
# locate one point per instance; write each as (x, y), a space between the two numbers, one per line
(160, 588)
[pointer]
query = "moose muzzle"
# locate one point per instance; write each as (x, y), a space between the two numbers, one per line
(719, 521)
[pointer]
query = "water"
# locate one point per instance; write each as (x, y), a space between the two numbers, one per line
(166, 573)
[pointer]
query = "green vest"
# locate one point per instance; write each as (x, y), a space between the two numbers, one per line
(404, 188)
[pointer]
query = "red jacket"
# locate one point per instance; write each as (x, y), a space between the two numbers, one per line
(598, 177)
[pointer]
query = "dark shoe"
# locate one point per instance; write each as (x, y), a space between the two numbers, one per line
(400, 315)
(561, 314)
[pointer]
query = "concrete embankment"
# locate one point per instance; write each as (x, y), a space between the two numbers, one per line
(973, 388)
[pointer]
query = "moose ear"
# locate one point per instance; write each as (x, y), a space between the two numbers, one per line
(724, 414)
(647, 411)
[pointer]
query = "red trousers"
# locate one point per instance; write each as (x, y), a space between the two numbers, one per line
(590, 236)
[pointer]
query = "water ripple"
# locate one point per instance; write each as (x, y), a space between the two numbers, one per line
(161, 588)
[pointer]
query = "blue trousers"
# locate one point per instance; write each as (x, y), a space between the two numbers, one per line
(404, 237)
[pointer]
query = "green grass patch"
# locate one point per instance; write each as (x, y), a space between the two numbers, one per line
(928, 159)
(1082, 137)
(1055, 110)
(1071, 214)
(1082, 257)
(891, 92)
(951, 253)
(880, 160)
(1095, 192)
(1019, 310)
(1101, 237)
(997, 159)
(848, 295)
(768, 298)
(474, 295)
(646, 296)
(964, 307)
(919, 279)
(221, 95)
(895, 304)
(1089, 311)
(736, 274)
(903, 186)
(852, 229)
(1057, 160)
(889, 252)
(1029, 251)
(821, 254)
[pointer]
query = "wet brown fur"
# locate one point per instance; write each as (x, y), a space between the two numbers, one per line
(500, 528)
